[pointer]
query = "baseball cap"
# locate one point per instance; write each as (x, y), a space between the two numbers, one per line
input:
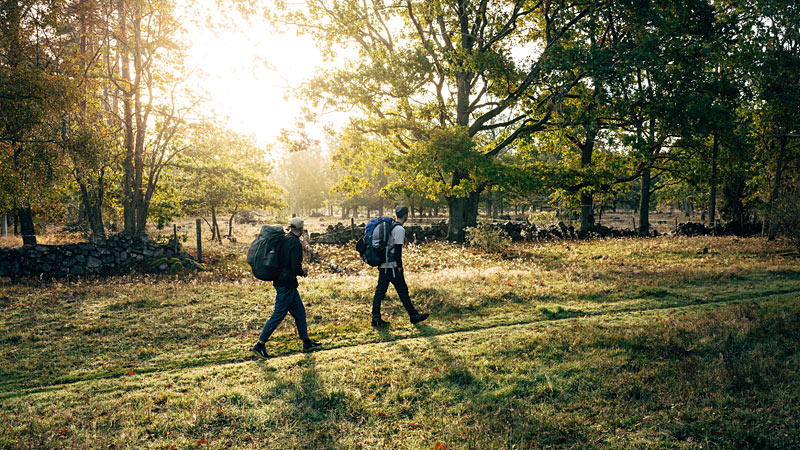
(401, 211)
(297, 223)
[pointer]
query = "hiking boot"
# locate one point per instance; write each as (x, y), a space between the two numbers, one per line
(377, 323)
(310, 345)
(417, 318)
(261, 350)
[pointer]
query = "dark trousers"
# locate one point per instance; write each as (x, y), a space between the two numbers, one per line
(287, 300)
(398, 280)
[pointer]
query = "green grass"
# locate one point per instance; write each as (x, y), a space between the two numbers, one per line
(616, 343)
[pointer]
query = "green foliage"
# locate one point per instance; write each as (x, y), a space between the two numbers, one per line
(36, 93)
(428, 167)
(306, 179)
(786, 215)
(222, 170)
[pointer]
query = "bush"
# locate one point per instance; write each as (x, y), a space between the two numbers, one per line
(488, 238)
(543, 217)
(786, 215)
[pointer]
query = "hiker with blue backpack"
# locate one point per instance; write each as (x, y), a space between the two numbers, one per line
(276, 257)
(382, 246)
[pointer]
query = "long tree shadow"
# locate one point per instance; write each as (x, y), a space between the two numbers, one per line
(308, 400)
(484, 411)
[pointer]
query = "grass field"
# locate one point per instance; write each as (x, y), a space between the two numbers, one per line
(630, 343)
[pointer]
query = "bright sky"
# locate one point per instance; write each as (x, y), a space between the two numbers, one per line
(248, 73)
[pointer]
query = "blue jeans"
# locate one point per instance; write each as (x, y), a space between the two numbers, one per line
(287, 300)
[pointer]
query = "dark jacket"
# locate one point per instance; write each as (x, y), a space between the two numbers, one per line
(291, 262)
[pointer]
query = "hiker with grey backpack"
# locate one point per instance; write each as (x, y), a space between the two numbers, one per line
(278, 257)
(382, 247)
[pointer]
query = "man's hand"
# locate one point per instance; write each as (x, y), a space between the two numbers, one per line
(305, 272)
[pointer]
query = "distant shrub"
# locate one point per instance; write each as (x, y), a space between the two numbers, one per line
(786, 215)
(488, 238)
(542, 217)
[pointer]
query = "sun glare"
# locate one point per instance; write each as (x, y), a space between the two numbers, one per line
(248, 72)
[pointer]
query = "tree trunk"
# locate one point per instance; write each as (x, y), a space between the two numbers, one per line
(81, 212)
(26, 226)
(230, 222)
(128, 208)
(600, 212)
(644, 204)
(463, 214)
(296, 209)
(712, 196)
(500, 204)
(215, 234)
(587, 213)
(381, 207)
(587, 198)
(93, 210)
(776, 186)
(355, 212)
(95, 214)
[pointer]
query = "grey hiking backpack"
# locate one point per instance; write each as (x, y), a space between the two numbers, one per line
(263, 253)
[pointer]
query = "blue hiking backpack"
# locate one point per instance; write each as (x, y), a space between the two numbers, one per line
(375, 251)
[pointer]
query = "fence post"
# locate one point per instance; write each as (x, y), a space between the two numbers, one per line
(199, 242)
(4, 226)
(175, 236)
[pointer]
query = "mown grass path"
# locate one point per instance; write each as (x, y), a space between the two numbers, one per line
(425, 330)
(620, 343)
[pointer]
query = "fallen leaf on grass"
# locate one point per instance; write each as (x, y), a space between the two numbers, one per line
(439, 446)
(201, 442)
(63, 431)
(131, 372)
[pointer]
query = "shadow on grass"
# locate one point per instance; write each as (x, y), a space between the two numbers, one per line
(313, 410)
(488, 413)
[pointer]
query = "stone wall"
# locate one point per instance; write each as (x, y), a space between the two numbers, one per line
(117, 254)
(727, 229)
(518, 231)
(342, 234)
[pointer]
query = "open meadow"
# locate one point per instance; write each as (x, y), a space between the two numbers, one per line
(623, 343)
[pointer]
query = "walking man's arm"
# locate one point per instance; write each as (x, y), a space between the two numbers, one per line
(296, 259)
